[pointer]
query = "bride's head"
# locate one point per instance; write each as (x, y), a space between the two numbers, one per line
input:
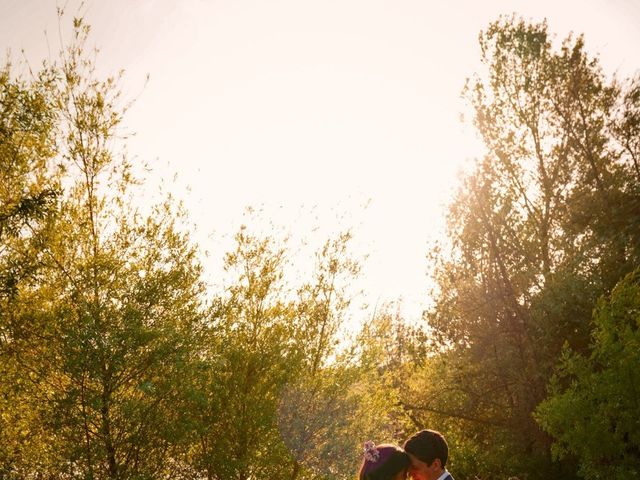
(384, 462)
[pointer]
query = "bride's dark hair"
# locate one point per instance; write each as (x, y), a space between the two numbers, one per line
(386, 464)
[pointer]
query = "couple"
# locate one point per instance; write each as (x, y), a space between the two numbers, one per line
(424, 457)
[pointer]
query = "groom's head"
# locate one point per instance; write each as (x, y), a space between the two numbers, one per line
(429, 452)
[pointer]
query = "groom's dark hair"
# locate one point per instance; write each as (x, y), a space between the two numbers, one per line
(427, 445)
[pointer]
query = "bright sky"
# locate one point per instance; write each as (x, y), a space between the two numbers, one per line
(312, 108)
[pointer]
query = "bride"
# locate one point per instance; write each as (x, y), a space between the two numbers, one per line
(384, 462)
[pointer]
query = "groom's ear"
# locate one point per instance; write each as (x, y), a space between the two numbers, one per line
(437, 464)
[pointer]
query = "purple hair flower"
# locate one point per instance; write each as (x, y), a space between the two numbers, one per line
(371, 453)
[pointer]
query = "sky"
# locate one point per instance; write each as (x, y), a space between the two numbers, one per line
(322, 115)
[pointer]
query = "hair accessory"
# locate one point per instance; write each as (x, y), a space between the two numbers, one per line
(371, 453)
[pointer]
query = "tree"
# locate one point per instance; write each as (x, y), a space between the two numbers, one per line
(29, 191)
(592, 410)
(326, 416)
(542, 227)
(317, 411)
(115, 310)
(272, 385)
(250, 356)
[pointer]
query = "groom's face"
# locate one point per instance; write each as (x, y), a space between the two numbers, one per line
(419, 470)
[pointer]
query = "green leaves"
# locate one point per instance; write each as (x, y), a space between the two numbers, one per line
(537, 234)
(266, 373)
(105, 351)
(117, 362)
(593, 410)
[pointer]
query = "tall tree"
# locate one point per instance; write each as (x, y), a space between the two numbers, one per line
(250, 356)
(316, 411)
(270, 387)
(116, 304)
(29, 190)
(537, 233)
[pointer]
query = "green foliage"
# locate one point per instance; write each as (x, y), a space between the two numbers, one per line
(545, 224)
(116, 362)
(99, 332)
(268, 385)
(593, 410)
(112, 365)
(28, 186)
(390, 353)
(250, 357)
(29, 191)
(318, 423)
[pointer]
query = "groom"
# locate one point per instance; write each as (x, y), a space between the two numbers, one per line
(429, 452)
